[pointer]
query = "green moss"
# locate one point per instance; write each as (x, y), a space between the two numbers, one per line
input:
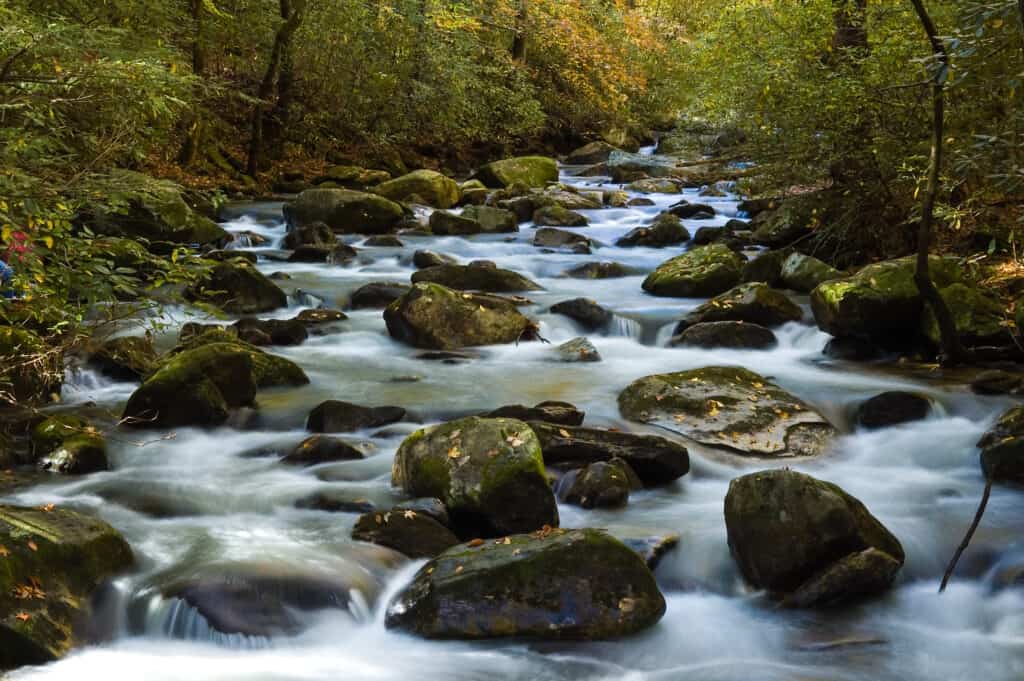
(436, 189)
(49, 434)
(531, 171)
(700, 272)
(979, 319)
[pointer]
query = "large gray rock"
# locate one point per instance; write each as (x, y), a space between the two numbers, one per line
(344, 211)
(429, 186)
(752, 303)
(528, 171)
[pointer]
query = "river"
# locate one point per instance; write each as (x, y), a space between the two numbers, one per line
(196, 501)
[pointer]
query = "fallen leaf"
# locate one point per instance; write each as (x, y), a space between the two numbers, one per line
(409, 515)
(564, 433)
(32, 545)
(23, 616)
(4, 552)
(475, 543)
(454, 453)
(458, 569)
(48, 508)
(455, 434)
(514, 441)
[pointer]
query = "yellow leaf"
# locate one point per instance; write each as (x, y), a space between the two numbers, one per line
(48, 240)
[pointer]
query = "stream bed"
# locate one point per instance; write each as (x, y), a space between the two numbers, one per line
(194, 501)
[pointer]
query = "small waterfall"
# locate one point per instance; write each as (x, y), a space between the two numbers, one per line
(176, 618)
(625, 327)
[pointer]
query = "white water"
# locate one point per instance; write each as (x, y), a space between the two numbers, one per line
(199, 500)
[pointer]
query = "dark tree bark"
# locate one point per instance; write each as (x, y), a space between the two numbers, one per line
(952, 349)
(198, 48)
(851, 32)
(292, 13)
(519, 39)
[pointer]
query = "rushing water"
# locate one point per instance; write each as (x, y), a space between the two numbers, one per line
(195, 501)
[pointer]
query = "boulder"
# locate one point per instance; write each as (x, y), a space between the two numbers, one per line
(376, 295)
(556, 584)
(577, 350)
(657, 461)
(766, 268)
(312, 234)
(1002, 448)
(666, 230)
(549, 237)
(430, 186)
(599, 485)
(557, 216)
(344, 211)
(654, 186)
(698, 273)
(128, 358)
(237, 287)
(474, 193)
(416, 535)
(194, 388)
(30, 371)
(384, 241)
(589, 154)
(270, 331)
(561, 413)
(891, 409)
(269, 371)
(336, 254)
(806, 540)
(780, 223)
(804, 273)
(320, 320)
(352, 177)
(692, 211)
(880, 302)
(585, 312)
(730, 408)
(67, 444)
(489, 473)
(53, 561)
(154, 210)
(443, 223)
(433, 317)
(752, 303)
(998, 382)
(424, 259)
(318, 449)
(476, 278)
(335, 416)
(529, 171)
(737, 335)
(492, 220)
(980, 319)
(626, 167)
(599, 270)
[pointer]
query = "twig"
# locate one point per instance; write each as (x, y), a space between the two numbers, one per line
(970, 531)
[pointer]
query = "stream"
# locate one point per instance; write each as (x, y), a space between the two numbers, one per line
(194, 501)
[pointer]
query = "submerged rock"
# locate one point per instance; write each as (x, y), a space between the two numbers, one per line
(53, 561)
(728, 407)
(753, 303)
(468, 277)
(488, 472)
(416, 535)
(335, 416)
(738, 335)
(558, 584)
(657, 461)
(701, 272)
(891, 409)
(807, 541)
(434, 317)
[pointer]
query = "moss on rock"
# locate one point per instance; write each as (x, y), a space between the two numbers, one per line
(434, 188)
(698, 273)
(529, 171)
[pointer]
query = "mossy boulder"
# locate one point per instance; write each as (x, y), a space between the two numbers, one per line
(980, 320)
(492, 220)
(656, 460)
(475, 278)
(627, 167)
(336, 416)
(547, 412)
(654, 186)
(345, 211)
(30, 370)
(311, 234)
(270, 331)
(600, 485)
(558, 584)
(577, 350)
(568, 197)
(352, 177)
(318, 449)
(549, 237)
(1002, 448)
(791, 219)
(411, 533)
(155, 210)
(698, 273)
(54, 559)
(488, 472)
(589, 154)
(881, 301)
(730, 408)
(736, 335)
(666, 230)
(268, 371)
(766, 268)
(435, 317)
(429, 185)
(804, 273)
(48, 434)
(804, 539)
(443, 223)
(585, 312)
(753, 303)
(237, 287)
(528, 171)
(128, 358)
(195, 388)
(558, 216)
(67, 444)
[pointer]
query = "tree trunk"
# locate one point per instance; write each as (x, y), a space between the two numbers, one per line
(952, 350)
(292, 12)
(851, 32)
(198, 48)
(519, 39)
